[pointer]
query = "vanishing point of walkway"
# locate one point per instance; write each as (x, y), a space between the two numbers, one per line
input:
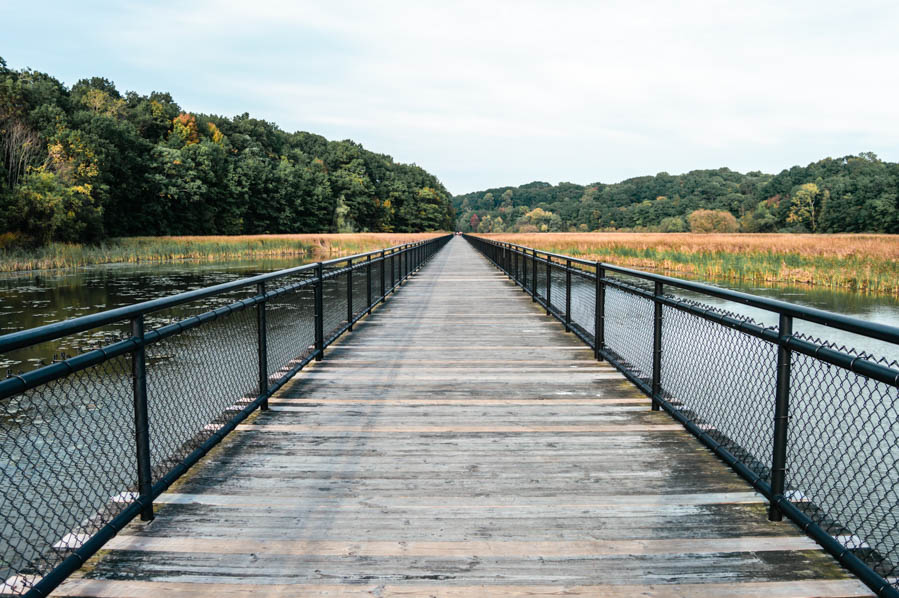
(457, 444)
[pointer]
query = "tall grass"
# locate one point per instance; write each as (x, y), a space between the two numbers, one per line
(211, 248)
(864, 263)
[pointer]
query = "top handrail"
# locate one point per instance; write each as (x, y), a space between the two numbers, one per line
(49, 332)
(875, 330)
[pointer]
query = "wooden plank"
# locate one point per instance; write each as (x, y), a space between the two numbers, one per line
(494, 549)
(154, 589)
(468, 503)
(561, 401)
(498, 429)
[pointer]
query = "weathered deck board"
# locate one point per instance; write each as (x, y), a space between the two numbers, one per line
(460, 444)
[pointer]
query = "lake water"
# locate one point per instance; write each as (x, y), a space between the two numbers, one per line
(32, 299)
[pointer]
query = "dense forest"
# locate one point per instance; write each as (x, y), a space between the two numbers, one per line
(87, 163)
(850, 194)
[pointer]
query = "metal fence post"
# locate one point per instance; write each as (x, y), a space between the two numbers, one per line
(781, 416)
(262, 345)
(567, 295)
(657, 348)
(349, 294)
(549, 282)
(141, 420)
(368, 283)
(599, 314)
(393, 269)
(383, 275)
(319, 315)
(534, 276)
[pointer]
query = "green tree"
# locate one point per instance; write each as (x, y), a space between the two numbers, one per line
(712, 221)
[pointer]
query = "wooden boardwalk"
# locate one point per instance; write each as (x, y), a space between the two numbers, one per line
(459, 443)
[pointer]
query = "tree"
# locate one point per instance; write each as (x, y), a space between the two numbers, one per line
(672, 224)
(712, 221)
(49, 210)
(803, 206)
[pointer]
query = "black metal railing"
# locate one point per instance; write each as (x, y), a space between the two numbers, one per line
(88, 442)
(812, 425)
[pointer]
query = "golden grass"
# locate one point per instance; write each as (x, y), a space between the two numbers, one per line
(211, 248)
(861, 262)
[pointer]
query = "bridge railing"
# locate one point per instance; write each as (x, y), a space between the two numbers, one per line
(811, 424)
(88, 442)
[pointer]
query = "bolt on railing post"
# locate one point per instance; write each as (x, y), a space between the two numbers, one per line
(349, 294)
(534, 276)
(262, 345)
(549, 282)
(383, 275)
(368, 283)
(599, 314)
(657, 347)
(567, 295)
(141, 419)
(319, 313)
(781, 416)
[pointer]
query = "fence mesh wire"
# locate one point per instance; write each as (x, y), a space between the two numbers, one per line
(334, 302)
(723, 380)
(559, 290)
(583, 302)
(377, 268)
(196, 382)
(628, 330)
(290, 330)
(843, 433)
(53, 439)
(846, 424)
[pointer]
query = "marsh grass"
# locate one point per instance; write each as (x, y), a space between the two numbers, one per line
(208, 248)
(863, 263)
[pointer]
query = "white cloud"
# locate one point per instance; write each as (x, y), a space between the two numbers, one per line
(503, 92)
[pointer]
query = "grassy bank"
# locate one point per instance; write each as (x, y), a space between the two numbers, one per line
(211, 248)
(865, 263)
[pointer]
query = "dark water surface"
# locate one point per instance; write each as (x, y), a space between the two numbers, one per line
(35, 298)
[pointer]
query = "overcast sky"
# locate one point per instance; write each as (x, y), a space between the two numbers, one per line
(492, 93)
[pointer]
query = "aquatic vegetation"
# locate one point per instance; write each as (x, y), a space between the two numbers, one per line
(211, 248)
(860, 262)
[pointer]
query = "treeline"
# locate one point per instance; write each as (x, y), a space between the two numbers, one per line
(850, 194)
(87, 163)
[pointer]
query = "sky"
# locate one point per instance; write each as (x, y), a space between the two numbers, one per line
(492, 93)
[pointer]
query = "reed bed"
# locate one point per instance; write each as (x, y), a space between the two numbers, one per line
(858, 262)
(208, 248)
